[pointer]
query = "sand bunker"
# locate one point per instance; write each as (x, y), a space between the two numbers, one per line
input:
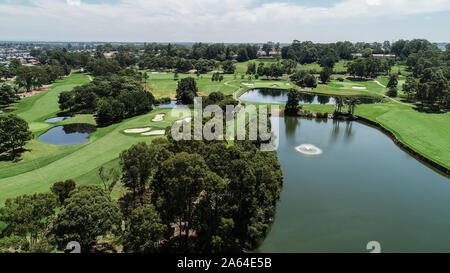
(288, 84)
(137, 130)
(308, 149)
(188, 119)
(248, 84)
(158, 117)
(154, 133)
(359, 87)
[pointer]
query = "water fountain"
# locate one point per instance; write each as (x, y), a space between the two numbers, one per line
(308, 149)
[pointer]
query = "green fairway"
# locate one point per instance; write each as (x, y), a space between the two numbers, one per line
(45, 164)
(164, 85)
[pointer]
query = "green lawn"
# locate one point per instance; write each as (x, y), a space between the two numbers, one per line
(45, 164)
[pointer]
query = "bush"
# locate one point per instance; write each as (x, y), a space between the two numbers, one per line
(392, 92)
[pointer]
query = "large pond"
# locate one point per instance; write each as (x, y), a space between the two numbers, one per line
(70, 134)
(360, 188)
(280, 96)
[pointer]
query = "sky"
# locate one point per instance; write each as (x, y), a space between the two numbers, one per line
(224, 20)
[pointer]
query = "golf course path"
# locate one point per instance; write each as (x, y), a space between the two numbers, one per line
(392, 99)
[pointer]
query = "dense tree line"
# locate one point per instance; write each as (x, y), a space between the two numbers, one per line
(430, 67)
(112, 97)
(189, 196)
(201, 197)
(326, 54)
(369, 67)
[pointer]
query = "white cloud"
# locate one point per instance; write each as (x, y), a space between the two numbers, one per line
(73, 2)
(191, 19)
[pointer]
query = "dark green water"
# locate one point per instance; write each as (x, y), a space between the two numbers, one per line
(362, 188)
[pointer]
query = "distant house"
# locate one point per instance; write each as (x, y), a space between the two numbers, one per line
(110, 54)
(356, 55)
(266, 57)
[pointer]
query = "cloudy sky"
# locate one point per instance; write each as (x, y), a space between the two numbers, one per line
(224, 20)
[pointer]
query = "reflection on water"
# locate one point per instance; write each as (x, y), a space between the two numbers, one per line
(70, 134)
(362, 188)
(272, 95)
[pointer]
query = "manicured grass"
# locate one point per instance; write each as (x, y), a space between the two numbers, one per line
(425, 133)
(164, 85)
(44, 164)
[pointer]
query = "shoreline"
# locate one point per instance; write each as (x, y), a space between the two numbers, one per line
(423, 159)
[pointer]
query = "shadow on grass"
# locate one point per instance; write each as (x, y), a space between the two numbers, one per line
(13, 158)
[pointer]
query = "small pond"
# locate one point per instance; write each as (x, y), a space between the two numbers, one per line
(56, 119)
(280, 96)
(172, 104)
(69, 134)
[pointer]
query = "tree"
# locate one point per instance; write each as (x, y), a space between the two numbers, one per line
(242, 55)
(4, 72)
(28, 215)
(7, 94)
(25, 77)
(228, 67)
(109, 179)
(14, 134)
(187, 90)
(339, 103)
(139, 163)
(392, 92)
(352, 103)
(66, 101)
(310, 81)
(325, 74)
(292, 103)
(251, 68)
(410, 87)
(433, 87)
(267, 48)
(144, 231)
(86, 214)
(177, 187)
(105, 113)
(62, 189)
(393, 81)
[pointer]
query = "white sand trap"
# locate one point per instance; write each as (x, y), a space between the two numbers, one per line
(288, 84)
(158, 117)
(188, 119)
(359, 87)
(248, 84)
(154, 133)
(137, 130)
(308, 149)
